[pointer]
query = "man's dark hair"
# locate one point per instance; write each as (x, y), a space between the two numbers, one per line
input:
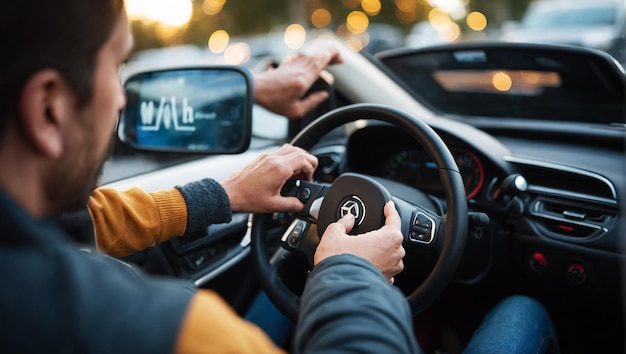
(59, 34)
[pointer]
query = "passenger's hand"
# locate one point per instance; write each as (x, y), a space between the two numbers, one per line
(382, 247)
(256, 187)
(280, 90)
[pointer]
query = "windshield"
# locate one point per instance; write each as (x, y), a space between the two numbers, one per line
(512, 82)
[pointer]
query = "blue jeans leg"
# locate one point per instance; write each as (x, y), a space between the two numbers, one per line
(265, 315)
(517, 324)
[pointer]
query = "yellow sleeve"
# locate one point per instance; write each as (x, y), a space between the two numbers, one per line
(130, 221)
(211, 326)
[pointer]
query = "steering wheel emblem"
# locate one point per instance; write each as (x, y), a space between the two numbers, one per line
(355, 206)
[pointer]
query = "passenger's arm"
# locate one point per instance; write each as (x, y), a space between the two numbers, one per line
(281, 90)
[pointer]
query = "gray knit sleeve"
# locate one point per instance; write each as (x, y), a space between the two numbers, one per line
(207, 203)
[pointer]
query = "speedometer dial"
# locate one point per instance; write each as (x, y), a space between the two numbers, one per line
(472, 171)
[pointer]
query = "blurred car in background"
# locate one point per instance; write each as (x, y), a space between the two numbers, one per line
(597, 24)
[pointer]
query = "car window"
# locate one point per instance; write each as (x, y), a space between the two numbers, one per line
(268, 125)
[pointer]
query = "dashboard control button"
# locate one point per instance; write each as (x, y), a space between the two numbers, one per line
(538, 262)
(577, 274)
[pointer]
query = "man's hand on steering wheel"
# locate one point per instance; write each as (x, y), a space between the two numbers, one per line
(256, 188)
(382, 247)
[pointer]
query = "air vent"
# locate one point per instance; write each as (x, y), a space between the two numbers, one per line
(574, 212)
(570, 219)
(568, 203)
(546, 177)
(569, 229)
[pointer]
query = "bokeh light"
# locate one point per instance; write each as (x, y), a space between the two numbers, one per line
(476, 21)
(236, 54)
(136, 8)
(357, 42)
(447, 30)
(174, 13)
(321, 18)
(502, 82)
(343, 32)
(371, 7)
(295, 36)
(218, 41)
(441, 23)
(213, 7)
(357, 22)
(438, 19)
(456, 9)
(354, 44)
(364, 38)
(451, 33)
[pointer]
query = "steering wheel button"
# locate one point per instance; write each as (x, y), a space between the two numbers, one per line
(292, 236)
(423, 220)
(420, 237)
(304, 194)
(420, 229)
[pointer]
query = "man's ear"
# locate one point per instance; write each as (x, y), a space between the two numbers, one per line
(46, 104)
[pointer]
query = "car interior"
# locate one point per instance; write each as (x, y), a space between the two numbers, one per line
(506, 162)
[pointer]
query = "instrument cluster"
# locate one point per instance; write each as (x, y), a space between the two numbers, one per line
(390, 153)
(413, 166)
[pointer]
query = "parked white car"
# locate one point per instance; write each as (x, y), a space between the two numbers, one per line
(595, 24)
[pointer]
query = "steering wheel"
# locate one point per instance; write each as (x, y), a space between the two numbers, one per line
(365, 196)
